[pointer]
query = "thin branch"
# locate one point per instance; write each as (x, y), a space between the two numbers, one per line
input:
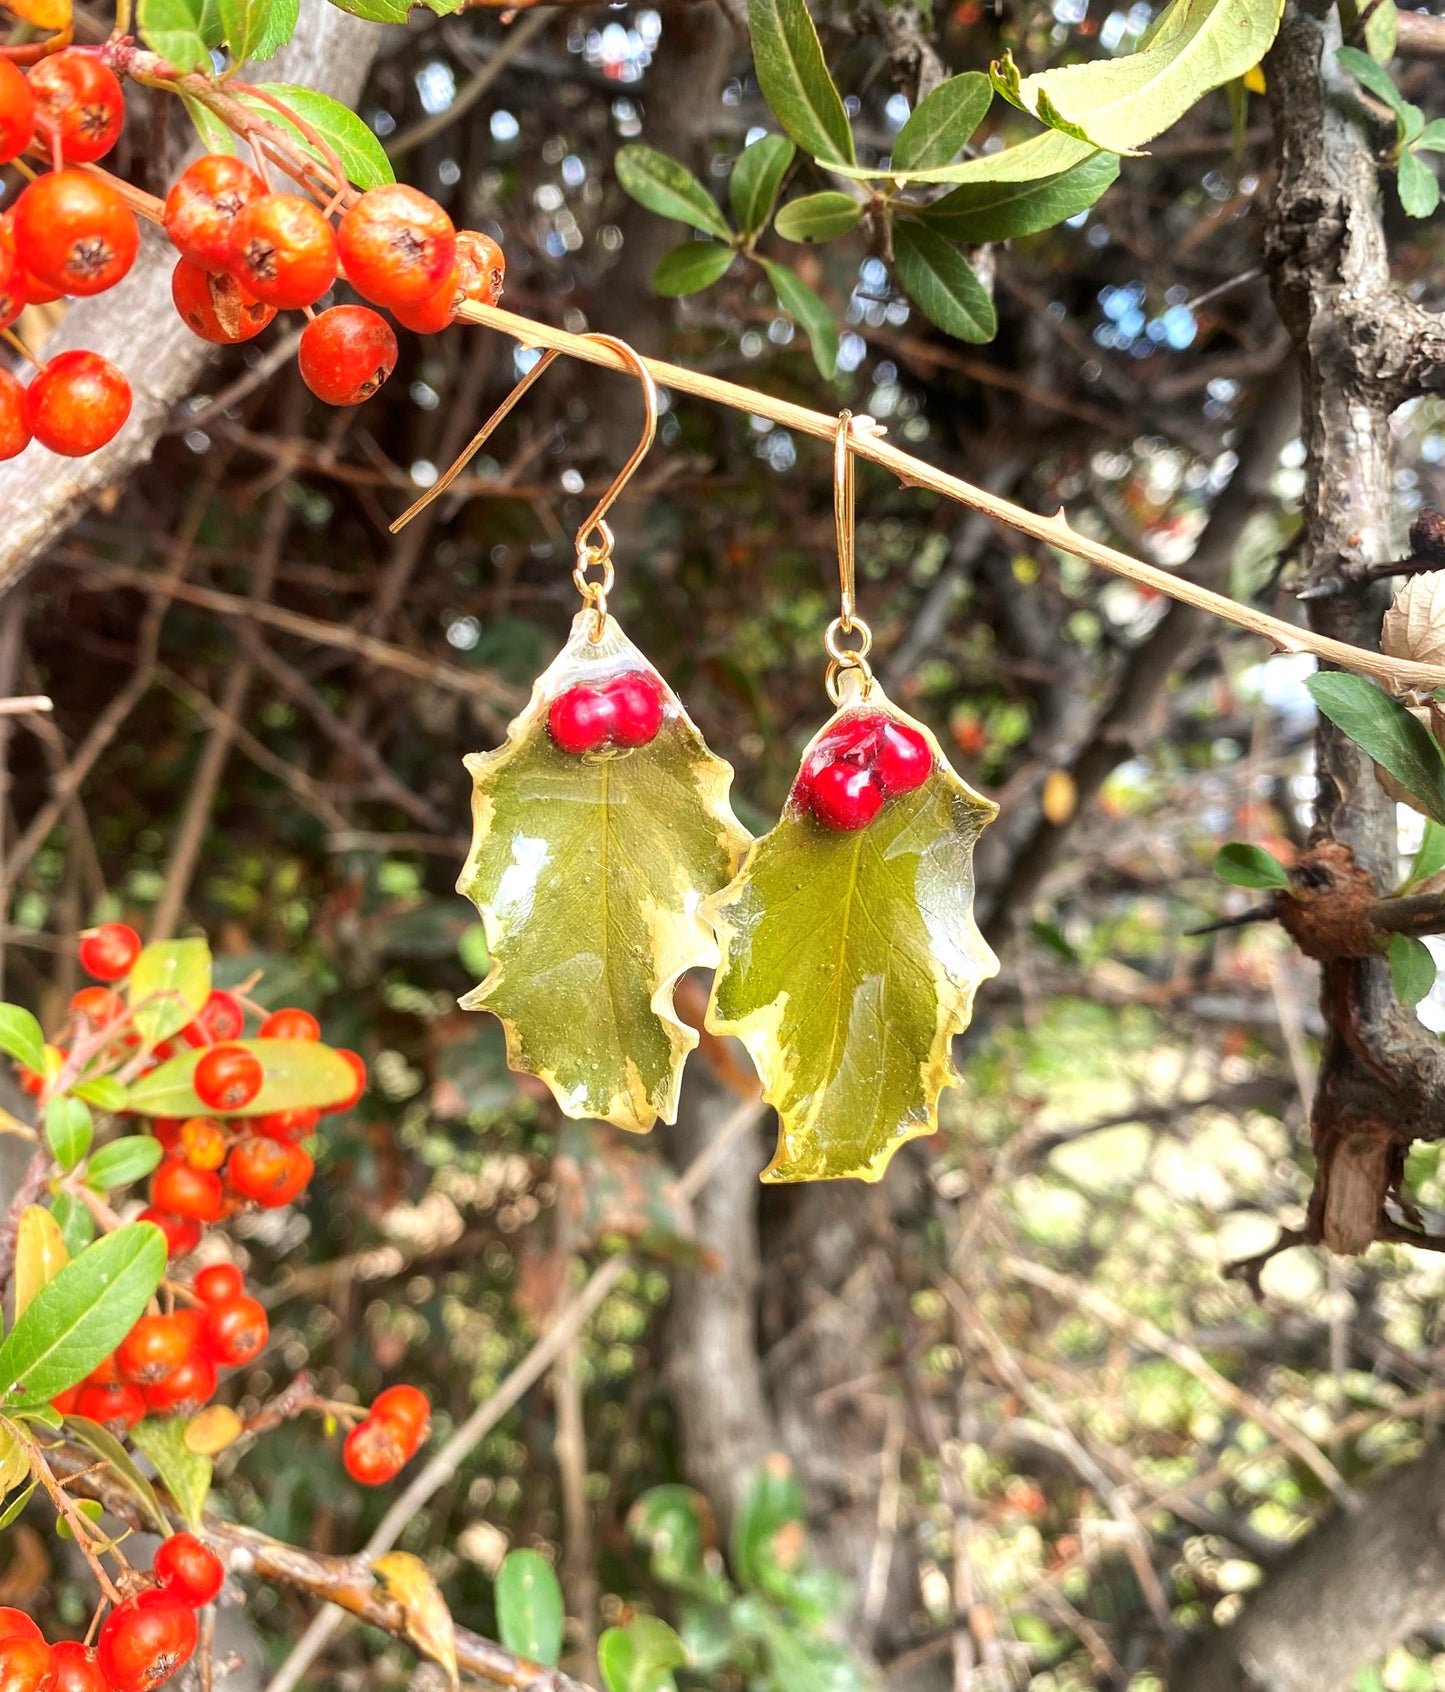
(1396, 673)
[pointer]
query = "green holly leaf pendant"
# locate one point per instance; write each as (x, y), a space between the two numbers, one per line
(850, 953)
(598, 830)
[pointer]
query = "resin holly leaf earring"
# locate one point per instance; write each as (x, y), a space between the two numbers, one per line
(850, 954)
(598, 829)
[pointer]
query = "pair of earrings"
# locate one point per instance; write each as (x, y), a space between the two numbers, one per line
(606, 861)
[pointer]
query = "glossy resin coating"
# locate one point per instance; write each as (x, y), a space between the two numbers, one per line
(590, 871)
(850, 959)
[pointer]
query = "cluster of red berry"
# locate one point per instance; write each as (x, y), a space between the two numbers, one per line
(865, 759)
(168, 1365)
(390, 1435)
(142, 1643)
(246, 253)
(626, 711)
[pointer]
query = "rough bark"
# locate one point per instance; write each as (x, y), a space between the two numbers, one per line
(1348, 1593)
(1360, 350)
(137, 327)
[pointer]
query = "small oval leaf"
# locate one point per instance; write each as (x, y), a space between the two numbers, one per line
(1412, 968)
(942, 284)
(21, 1038)
(123, 1161)
(818, 217)
(691, 267)
(811, 314)
(757, 175)
(795, 82)
(944, 120)
(530, 1611)
(1243, 865)
(669, 188)
(40, 1255)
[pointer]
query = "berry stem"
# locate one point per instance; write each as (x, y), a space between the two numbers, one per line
(89, 1544)
(12, 339)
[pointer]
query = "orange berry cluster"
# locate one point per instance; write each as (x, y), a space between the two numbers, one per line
(390, 1435)
(142, 1642)
(246, 253)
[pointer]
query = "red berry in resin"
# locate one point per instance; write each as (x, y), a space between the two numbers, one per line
(290, 1023)
(14, 430)
(188, 1570)
(76, 404)
(902, 760)
(75, 233)
(289, 1125)
(108, 952)
(17, 112)
(218, 1282)
(219, 1019)
(636, 708)
(283, 250)
(346, 354)
(185, 1390)
(217, 306)
(79, 104)
(15, 1624)
(476, 274)
(397, 245)
(844, 797)
(202, 1142)
(145, 1640)
(76, 1668)
(203, 204)
(581, 719)
(227, 1078)
(234, 1331)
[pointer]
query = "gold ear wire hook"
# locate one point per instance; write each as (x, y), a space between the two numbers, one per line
(589, 553)
(846, 622)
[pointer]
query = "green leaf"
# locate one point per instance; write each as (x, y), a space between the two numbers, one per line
(795, 80)
(850, 961)
(362, 156)
(941, 282)
(944, 120)
(812, 315)
(1430, 859)
(16, 1507)
(281, 19)
(76, 1224)
(21, 1038)
(169, 984)
(123, 1161)
(767, 1542)
(103, 1091)
(530, 1611)
(675, 1525)
(14, 1457)
(1382, 25)
(1386, 732)
(818, 217)
(1431, 138)
(641, 1656)
(377, 11)
(107, 1447)
(757, 176)
(1373, 77)
(668, 187)
(215, 137)
(1243, 865)
(589, 873)
(243, 23)
(298, 1073)
(172, 28)
(79, 1318)
(999, 211)
(184, 1474)
(68, 1130)
(1419, 191)
(1412, 968)
(1121, 103)
(691, 267)
(1048, 154)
